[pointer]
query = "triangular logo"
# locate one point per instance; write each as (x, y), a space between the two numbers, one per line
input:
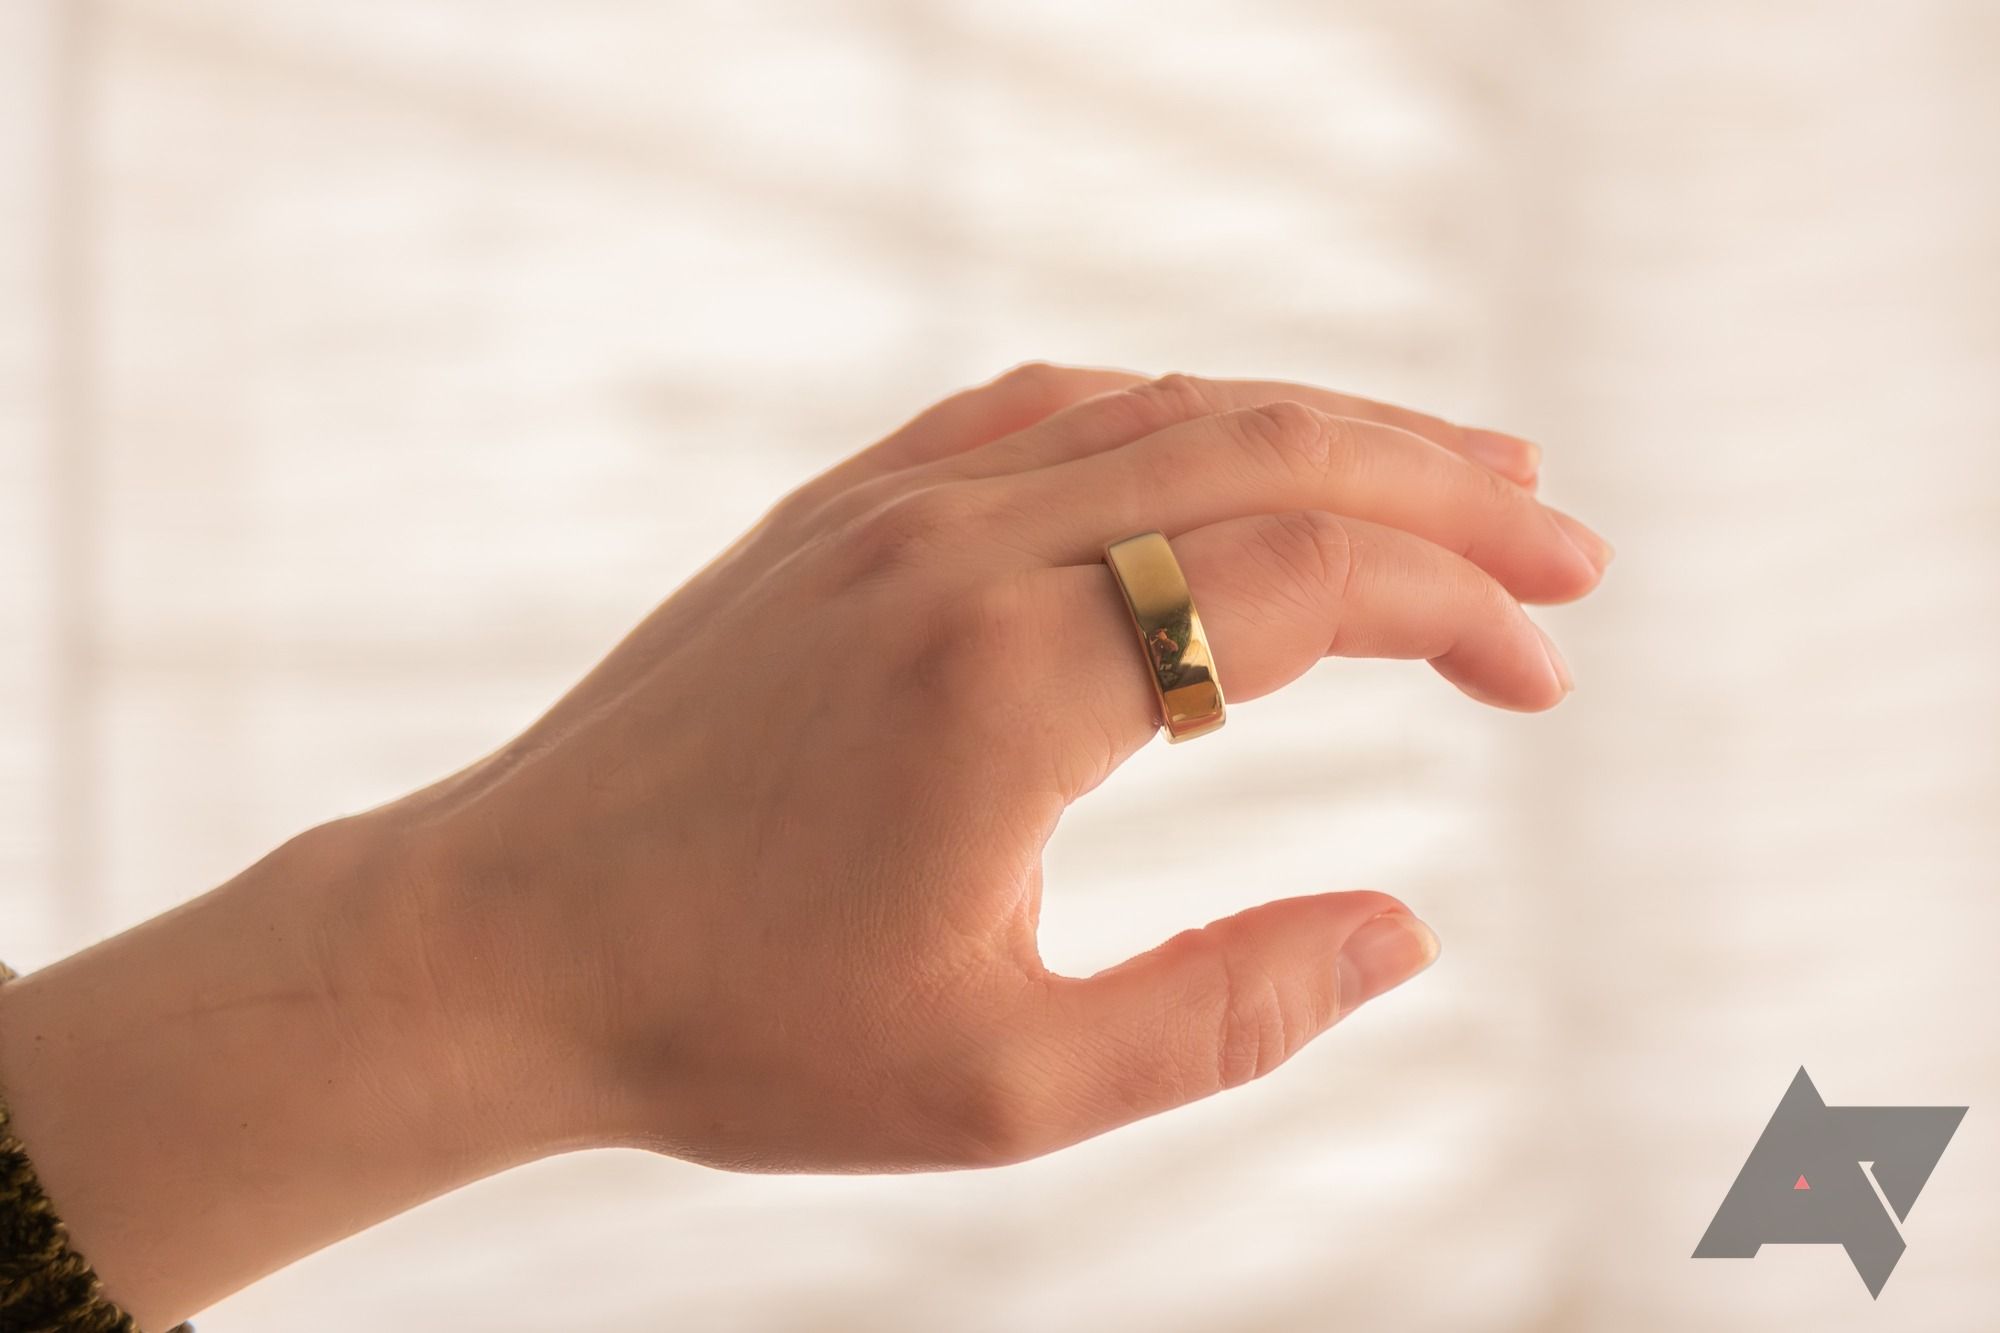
(1815, 1142)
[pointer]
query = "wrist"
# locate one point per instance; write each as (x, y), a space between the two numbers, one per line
(485, 972)
(265, 1070)
(443, 976)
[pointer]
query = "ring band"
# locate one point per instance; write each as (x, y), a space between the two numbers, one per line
(1176, 651)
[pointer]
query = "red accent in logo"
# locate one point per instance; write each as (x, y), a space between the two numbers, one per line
(1801, 1185)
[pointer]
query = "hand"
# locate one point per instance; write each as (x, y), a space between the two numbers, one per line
(775, 863)
(762, 890)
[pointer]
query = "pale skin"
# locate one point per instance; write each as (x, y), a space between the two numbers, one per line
(762, 890)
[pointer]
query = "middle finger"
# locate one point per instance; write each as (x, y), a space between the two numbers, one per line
(1284, 456)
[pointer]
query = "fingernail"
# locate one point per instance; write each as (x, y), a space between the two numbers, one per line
(1593, 547)
(1508, 455)
(1556, 662)
(1386, 951)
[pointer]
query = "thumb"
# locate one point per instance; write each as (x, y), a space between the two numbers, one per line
(1216, 1007)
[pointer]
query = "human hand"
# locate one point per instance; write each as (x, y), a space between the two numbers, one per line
(762, 890)
(772, 872)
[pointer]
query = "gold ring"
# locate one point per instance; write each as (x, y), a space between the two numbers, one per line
(1177, 656)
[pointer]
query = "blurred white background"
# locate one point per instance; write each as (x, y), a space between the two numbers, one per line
(367, 369)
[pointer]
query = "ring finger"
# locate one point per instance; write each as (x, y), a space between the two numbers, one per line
(1276, 593)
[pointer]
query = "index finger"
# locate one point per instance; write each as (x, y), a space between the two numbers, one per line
(1120, 415)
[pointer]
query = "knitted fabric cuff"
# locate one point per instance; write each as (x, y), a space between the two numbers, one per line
(45, 1285)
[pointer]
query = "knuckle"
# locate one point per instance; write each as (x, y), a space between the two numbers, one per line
(909, 528)
(1296, 439)
(1190, 391)
(1313, 551)
(990, 617)
(1032, 385)
(1175, 397)
(1158, 403)
(794, 511)
(1255, 1031)
(967, 639)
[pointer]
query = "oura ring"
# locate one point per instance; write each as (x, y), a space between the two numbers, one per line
(1176, 651)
